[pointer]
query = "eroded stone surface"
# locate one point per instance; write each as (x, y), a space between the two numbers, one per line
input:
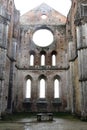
(69, 46)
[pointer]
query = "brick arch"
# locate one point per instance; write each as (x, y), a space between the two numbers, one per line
(42, 52)
(43, 27)
(28, 77)
(32, 52)
(42, 76)
(53, 58)
(57, 77)
(32, 55)
(53, 52)
(43, 58)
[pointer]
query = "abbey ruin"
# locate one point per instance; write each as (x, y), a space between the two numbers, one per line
(23, 73)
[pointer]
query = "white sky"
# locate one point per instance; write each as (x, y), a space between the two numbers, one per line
(62, 6)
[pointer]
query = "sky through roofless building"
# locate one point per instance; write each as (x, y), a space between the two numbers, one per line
(62, 6)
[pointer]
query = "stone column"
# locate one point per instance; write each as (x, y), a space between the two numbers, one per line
(82, 56)
(0, 97)
(3, 50)
(72, 87)
(10, 89)
(68, 90)
(72, 57)
(82, 65)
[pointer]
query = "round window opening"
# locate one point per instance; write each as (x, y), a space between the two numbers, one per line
(43, 37)
(44, 16)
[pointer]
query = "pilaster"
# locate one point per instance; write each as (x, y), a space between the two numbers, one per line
(81, 28)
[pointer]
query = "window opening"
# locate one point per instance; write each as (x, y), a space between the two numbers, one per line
(43, 37)
(44, 16)
(42, 60)
(28, 88)
(56, 88)
(31, 60)
(42, 88)
(53, 60)
(84, 10)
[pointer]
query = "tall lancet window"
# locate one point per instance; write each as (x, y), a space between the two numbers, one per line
(53, 60)
(42, 88)
(31, 60)
(56, 88)
(42, 59)
(28, 88)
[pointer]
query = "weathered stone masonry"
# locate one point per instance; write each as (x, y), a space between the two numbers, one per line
(69, 46)
(8, 14)
(28, 26)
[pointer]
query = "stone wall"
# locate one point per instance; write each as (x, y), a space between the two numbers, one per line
(76, 33)
(28, 47)
(69, 46)
(7, 15)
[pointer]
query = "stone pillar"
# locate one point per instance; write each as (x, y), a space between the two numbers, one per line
(72, 57)
(68, 90)
(72, 89)
(82, 65)
(0, 97)
(10, 89)
(82, 56)
(14, 49)
(67, 82)
(3, 52)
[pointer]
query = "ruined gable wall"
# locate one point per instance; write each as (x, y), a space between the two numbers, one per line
(29, 25)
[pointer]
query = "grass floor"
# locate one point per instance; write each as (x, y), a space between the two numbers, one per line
(19, 116)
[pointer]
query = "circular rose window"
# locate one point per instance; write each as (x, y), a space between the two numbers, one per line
(43, 37)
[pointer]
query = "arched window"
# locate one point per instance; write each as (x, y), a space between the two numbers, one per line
(53, 60)
(42, 59)
(56, 88)
(42, 88)
(28, 88)
(31, 60)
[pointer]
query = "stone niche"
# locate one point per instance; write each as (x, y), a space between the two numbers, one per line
(27, 104)
(42, 105)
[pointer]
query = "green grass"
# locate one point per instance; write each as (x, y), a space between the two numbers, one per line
(18, 116)
(64, 115)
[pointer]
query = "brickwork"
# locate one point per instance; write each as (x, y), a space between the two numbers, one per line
(69, 47)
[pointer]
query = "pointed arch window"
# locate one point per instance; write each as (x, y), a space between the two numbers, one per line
(54, 54)
(31, 60)
(42, 88)
(56, 88)
(53, 59)
(28, 88)
(42, 59)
